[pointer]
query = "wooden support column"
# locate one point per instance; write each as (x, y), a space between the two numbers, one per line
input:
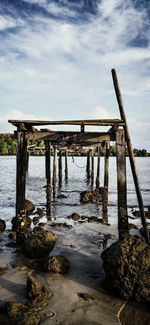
(20, 171)
(92, 171)
(106, 162)
(60, 168)
(121, 184)
(66, 165)
(88, 164)
(54, 171)
(48, 175)
(98, 167)
(27, 161)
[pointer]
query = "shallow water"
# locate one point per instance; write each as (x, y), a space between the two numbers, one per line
(77, 182)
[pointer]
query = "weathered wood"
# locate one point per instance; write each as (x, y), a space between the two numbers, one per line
(98, 167)
(66, 164)
(60, 168)
(21, 171)
(131, 156)
(73, 137)
(106, 164)
(48, 199)
(121, 184)
(54, 171)
(89, 164)
(92, 168)
(71, 122)
(48, 161)
(27, 161)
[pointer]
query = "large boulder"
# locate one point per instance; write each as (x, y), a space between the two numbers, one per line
(39, 242)
(37, 294)
(126, 264)
(29, 206)
(2, 225)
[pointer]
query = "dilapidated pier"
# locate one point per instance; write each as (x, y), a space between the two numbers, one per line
(58, 142)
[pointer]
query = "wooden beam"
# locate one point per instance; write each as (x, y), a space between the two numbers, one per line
(54, 171)
(66, 164)
(106, 164)
(71, 137)
(121, 184)
(105, 122)
(60, 168)
(131, 156)
(92, 168)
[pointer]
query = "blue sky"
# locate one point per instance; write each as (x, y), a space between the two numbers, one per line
(56, 60)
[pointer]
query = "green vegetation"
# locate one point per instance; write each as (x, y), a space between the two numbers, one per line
(8, 147)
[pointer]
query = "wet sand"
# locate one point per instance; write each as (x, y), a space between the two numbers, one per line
(82, 246)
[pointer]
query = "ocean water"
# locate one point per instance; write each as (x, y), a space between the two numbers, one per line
(77, 182)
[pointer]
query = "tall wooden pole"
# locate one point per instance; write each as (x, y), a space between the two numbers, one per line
(121, 184)
(106, 164)
(131, 156)
(98, 167)
(20, 171)
(89, 165)
(48, 175)
(60, 168)
(66, 164)
(92, 169)
(54, 170)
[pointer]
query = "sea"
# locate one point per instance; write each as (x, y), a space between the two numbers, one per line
(77, 182)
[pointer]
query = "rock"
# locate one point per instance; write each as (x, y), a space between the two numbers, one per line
(3, 269)
(12, 235)
(132, 226)
(11, 244)
(39, 242)
(93, 196)
(92, 219)
(83, 217)
(37, 294)
(42, 224)
(1, 250)
(75, 216)
(16, 313)
(86, 296)
(2, 225)
(61, 196)
(56, 264)
(21, 222)
(29, 206)
(36, 220)
(126, 264)
(61, 225)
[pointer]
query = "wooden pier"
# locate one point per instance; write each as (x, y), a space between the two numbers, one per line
(58, 142)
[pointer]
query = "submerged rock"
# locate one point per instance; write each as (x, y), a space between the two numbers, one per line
(56, 264)
(3, 269)
(39, 242)
(86, 296)
(12, 235)
(126, 264)
(15, 313)
(93, 196)
(61, 196)
(61, 225)
(2, 225)
(36, 220)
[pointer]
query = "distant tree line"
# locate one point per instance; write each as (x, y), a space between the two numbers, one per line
(8, 147)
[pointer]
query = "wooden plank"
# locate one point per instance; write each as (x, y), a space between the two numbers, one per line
(131, 156)
(121, 184)
(20, 172)
(106, 122)
(71, 137)
(60, 168)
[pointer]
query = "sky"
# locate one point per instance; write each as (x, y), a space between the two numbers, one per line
(56, 59)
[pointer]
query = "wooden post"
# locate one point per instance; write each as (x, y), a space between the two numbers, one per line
(88, 164)
(48, 174)
(92, 172)
(60, 168)
(54, 171)
(98, 167)
(48, 161)
(106, 162)
(20, 171)
(27, 161)
(66, 165)
(121, 184)
(131, 156)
